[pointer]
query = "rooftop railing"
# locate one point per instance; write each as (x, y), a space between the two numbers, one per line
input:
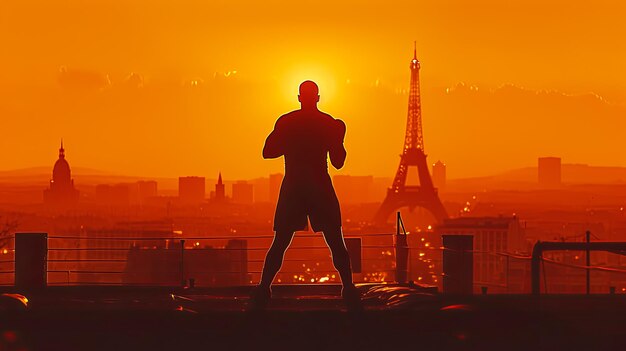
(238, 260)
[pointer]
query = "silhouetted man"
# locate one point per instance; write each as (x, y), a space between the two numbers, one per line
(305, 137)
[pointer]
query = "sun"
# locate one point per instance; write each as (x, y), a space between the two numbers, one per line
(325, 79)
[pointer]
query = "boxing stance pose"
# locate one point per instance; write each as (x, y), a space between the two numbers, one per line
(306, 137)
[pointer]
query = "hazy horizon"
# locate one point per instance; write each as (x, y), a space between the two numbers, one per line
(194, 87)
(515, 172)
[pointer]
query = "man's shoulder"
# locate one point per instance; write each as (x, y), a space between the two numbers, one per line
(326, 116)
(319, 116)
(286, 117)
(290, 114)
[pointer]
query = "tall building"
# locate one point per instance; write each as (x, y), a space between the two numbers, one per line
(549, 172)
(61, 195)
(191, 190)
(439, 175)
(276, 179)
(243, 193)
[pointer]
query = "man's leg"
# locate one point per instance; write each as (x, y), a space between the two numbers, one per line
(341, 259)
(274, 257)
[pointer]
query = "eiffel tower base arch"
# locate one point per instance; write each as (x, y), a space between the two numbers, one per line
(410, 198)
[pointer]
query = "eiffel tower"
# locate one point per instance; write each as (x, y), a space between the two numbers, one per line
(422, 195)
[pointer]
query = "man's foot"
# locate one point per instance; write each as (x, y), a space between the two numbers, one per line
(352, 298)
(259, 298)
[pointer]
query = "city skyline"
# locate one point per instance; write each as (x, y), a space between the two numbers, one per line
(42, 174)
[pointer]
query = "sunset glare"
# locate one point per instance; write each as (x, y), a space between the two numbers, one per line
(167, 88)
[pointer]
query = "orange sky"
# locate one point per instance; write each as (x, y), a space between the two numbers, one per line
(158, 123)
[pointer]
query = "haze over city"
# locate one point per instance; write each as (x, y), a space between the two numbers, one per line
(192, 87)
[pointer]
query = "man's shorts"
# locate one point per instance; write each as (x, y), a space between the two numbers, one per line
(314, 198)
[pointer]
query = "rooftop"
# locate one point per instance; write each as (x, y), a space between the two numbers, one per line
(306, 317)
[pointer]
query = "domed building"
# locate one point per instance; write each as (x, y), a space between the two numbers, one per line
(61, 195)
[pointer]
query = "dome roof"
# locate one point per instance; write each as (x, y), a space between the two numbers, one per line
(61, 173)
(61, 170)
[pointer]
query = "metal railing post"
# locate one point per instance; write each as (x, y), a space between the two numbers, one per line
(182, 263)
(402, 252)
(508, 272)
(534, 268)
(458, 264)
(31, 260)
(588, 257)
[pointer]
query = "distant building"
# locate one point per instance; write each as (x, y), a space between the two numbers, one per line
(493, 236)
(150, 233)
(208, 266)
(243, 193)
(439, 175)
(191, 190)
(549, 172)
(115, 243)
(220, 190)
(61, 195)
(146, 189)
(126, 194)
(276, 180)
(117, 195)
(261, 189)
(353, 189)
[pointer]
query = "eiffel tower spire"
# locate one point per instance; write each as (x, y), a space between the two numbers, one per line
(414, 137)
(425, 194)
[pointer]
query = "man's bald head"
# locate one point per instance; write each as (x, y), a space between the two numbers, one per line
(309, 94)
(308, 87)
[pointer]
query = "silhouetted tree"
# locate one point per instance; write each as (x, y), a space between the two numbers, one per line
(7, 227)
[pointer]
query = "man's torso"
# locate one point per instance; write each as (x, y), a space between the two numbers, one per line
(307, 137)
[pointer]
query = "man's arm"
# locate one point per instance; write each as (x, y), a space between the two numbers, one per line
(274, 144)
(337, 151)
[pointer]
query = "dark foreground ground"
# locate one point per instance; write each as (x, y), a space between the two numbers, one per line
(307, 318)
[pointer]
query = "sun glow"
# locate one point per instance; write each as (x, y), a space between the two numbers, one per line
(325, 78)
